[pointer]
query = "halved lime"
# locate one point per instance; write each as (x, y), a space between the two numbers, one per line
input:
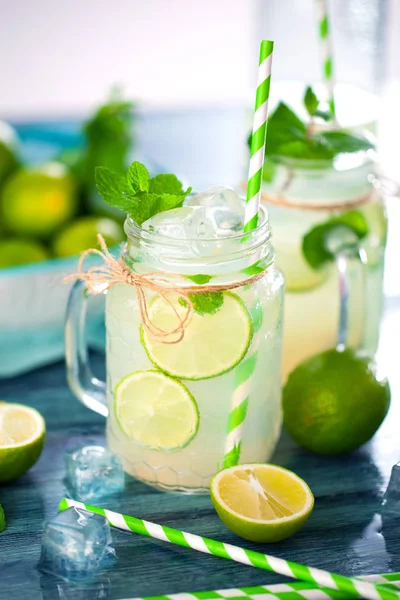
(214, 343)
(261, 503)
(156, 410)
(22, 432)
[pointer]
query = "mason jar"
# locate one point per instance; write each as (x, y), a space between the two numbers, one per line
(193, 355)
(329, 234)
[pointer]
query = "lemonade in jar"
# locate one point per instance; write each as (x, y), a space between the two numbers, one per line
(194, 328)
(329, 234)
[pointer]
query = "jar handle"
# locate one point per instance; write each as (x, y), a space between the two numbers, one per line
(351, 262)
(88, 389)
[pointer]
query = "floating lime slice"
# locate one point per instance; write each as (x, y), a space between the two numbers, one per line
(261, 503)
(213, 342)
(316, 247)
(156, 410)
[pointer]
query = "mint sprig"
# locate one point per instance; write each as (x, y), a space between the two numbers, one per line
(138, 194)
(288, 136)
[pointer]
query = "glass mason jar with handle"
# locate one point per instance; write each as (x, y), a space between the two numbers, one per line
(193, 354)
(329, 227)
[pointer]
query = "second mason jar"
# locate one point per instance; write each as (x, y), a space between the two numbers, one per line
(329, 234)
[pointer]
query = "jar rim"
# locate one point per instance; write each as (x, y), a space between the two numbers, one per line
(344, 162)
(263, 230)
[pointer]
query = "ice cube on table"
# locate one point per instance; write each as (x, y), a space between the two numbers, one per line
(76, 545)
(93, 473)
(391, 499)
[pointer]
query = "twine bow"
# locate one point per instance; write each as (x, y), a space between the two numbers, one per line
(114, 271)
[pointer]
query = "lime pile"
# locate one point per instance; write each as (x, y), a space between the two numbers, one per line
(155, 408)
(47, 211)
(334, 402)
(261, 502)
(22, 433)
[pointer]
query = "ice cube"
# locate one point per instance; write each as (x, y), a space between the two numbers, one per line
(93, 473)
(225, 209)
(186, 222)
(391, 499)
(76, 545)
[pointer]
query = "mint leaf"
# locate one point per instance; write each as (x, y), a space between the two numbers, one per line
(149, 205)
(166, 183)
(208, 303)
(323, 114)
(269, 170)
(255, 268)
(284, 126)
(113, 188)
(311, 101)
(138, 178)
(199, 279)
(315, 242)
(342, 141)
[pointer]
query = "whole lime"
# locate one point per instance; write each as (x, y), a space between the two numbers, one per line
(8, 151)
(82, 234)
(19, 251)
(36, 202)
(334, 402)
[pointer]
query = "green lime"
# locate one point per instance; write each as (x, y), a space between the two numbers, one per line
(81, 234)
(22, 433)
(2, 519)
(334, 402)
(261, 503)
(8, 157)
(156, 410)
(38, 201)
(213, 343)
(19, 251)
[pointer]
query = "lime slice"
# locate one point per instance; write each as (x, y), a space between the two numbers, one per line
(213, 342)
(22, 432)
(156, 410)
(261, 503)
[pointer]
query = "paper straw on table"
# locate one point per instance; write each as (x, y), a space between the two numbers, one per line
(325, 41)
(282, 591)
(257, 146)
(352, 586)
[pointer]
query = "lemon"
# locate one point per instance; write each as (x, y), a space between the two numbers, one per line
(334, 402)
(19, 251)
(156, 410)
(38, 201)
(213, 342)
(82, 234)
(22, 433)
(261, 503)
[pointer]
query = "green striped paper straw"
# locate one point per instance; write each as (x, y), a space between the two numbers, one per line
(282, 591)
(352, 586)
(326, 51)
(237, 415)
(257, 147)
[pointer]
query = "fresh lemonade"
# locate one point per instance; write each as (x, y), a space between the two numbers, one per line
(329, 231)
(312, 295)
(179, 412)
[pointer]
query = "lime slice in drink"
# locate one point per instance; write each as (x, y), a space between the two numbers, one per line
(261, 503)
(156, 410)
(214, 342)
(22, 432)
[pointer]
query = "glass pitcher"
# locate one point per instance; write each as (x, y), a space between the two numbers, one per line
(178, 412)
(333, 299)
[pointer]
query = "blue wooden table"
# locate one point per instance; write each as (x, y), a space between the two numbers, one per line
(343, 533)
